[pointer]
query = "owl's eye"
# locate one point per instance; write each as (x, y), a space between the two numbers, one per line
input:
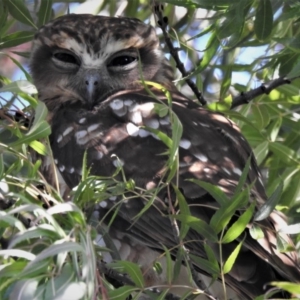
(66, 57)
(122, 60)
(65, 60)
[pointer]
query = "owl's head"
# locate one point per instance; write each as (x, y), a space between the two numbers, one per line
(86, 58)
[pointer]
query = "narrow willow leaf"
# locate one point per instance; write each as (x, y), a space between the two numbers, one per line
(184, 209)
(53, 250)
(121, 293)
(261, 151)
(16, 39)
(214, 191)
(261, 115)
(211, 256)
(263, 23)
(266, 209)
(44, 14)
(24, 290)
(14, 269)
(199, 225)
(232, 258)
(293, 288)
(238, 227)
(205, 265)
(286, 154)
(18, 253)
(39, 147)
(223, 215)
(133, 271)
(20, 12)
(169, 270)
(256, 232)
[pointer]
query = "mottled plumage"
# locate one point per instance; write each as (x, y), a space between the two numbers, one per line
(89, 71)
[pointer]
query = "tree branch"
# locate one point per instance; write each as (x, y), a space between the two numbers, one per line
(163, 23)
(265, 88)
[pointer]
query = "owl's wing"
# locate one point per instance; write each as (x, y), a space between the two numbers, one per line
(114, 134)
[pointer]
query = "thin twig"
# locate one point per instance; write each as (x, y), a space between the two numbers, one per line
(265, 88)
(163, 24)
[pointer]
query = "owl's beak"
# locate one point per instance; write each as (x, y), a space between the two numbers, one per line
(92, 82)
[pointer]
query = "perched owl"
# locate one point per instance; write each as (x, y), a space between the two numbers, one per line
(110, 95)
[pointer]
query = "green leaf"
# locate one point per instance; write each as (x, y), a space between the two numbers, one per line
(45, 12)
(198, 225)
(18, 253)
(16, 39)
(121, 293)
(293, 288)
(223, 215)
(211, 49)
(263, 23)
(133, 271)
(55, 249)
(205, 265)
(214, 191)
(266, 209)
(169, 270)
(261, 151)
(295, 72)
(285, 153)
(232, 258)
(238, 227)
(256, 232)
(24, 290)
(261, 115)
(19, 11)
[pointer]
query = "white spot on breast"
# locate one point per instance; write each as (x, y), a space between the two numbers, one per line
(204, 125)
(71, 171)
(226, 171)
(68, 130)
(143, 133)
(152, 123)
(116, 104)
(185, 144)
(237, 171)
(128, 102)
(80, 134)
(146, 109)
(98, 155)
(136, 117)
(132, 129)
(103, 204)
(81, 137)
(61, 168)
(201, 157)
(82, 120)
(117, 244)
(121, 112)
(125, 251)
(59, 139)
(100, 241)
(93, 127)
(118, 163)
(165, 120)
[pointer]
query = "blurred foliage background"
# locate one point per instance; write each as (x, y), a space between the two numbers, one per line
(227, 48)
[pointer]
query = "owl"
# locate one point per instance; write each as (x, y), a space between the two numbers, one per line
(111, 99)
